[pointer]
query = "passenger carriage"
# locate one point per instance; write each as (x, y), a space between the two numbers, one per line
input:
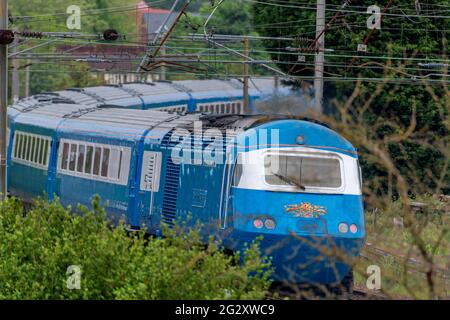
(212, 96)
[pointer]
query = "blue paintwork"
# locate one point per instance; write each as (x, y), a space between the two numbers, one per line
(340, 208)
(315, 136)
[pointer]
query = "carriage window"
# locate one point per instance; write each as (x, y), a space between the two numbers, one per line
(81, 155)
(105, 162)
(97, 157)
(73, 157)
(65, 156)
(46, 152)
(95, 161)
(303, 172)
(36, 150)
(18, 146)
(40, 158)
(115, 162)
(89, 158)
(29, 149)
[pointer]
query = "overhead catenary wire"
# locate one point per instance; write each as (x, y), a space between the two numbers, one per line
(220, 49)
(294, 6)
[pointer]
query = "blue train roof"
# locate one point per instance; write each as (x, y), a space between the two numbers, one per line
(131, 124)
(134, 95)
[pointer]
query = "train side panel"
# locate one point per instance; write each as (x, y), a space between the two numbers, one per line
(29, 161)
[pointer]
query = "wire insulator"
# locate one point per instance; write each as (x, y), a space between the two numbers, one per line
(31, 34)
(6, 37)
(110, 35)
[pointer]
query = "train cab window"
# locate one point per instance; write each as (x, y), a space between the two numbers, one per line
(303, 171)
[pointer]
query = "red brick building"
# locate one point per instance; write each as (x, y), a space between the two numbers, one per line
(118, 63)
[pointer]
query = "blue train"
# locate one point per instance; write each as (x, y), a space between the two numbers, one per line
(214, 96)
(294, 182)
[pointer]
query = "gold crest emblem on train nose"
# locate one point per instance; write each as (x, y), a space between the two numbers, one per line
(306, 210)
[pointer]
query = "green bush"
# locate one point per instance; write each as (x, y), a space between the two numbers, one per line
(37, 249)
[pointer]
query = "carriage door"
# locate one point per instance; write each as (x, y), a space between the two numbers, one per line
(226, 209)
(150, 181)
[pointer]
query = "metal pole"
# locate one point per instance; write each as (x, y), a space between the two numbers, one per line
(246, 75)
(3, 98)
(15, 81)
(27, 78)
(320, 55)
(163, 66)
(162, 30)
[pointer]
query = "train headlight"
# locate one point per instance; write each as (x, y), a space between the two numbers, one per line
(343, 228)
(270, 224)
(258, 223)
(353, 228)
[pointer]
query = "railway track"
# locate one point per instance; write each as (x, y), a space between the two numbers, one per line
(370, 251)
(373, 253)
(293, 293)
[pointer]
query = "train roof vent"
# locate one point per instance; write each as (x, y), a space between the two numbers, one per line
(62, 100)
(109, 106)
(141, 82)
(79, 113)
(223, 121)
(164, 81)
(181, 87)
(76, 89)
(47, 94)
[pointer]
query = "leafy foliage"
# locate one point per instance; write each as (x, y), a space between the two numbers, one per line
(398, 104)
(51, 16)
(36, 250)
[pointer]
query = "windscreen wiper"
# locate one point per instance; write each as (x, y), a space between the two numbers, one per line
(290, 181)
